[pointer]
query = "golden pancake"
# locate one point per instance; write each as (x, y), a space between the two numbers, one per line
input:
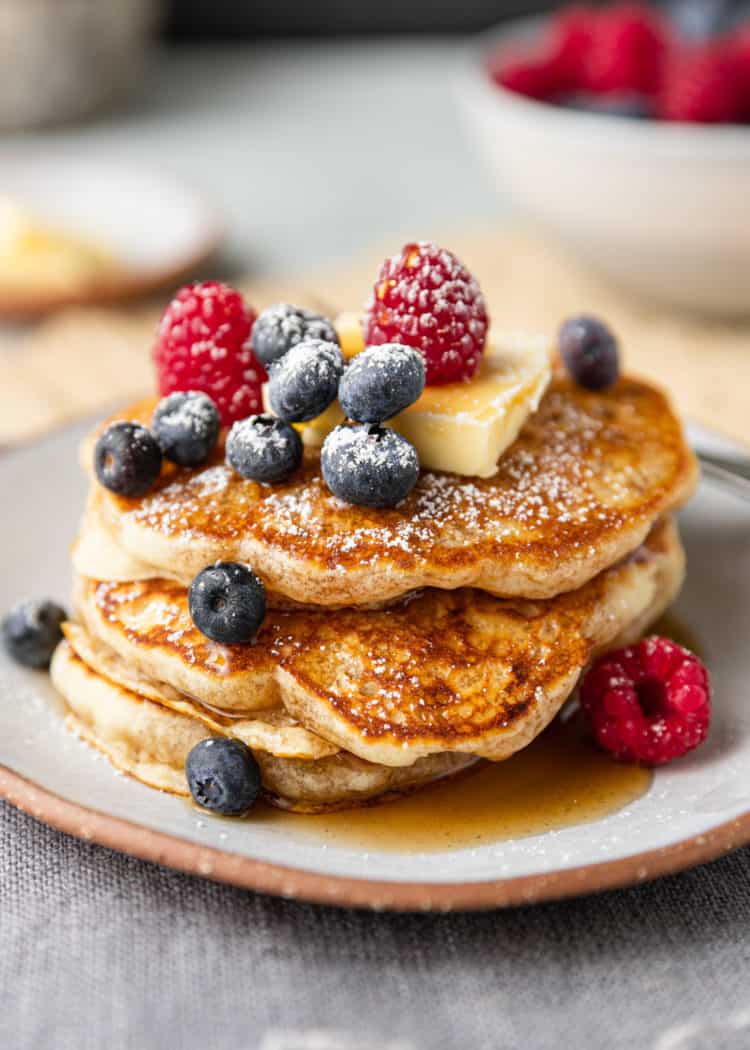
(272, 730)
(578, 490)
(457, 671)
(151, 743)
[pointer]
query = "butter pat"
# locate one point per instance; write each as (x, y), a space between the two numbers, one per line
(464, 428)
(314, 432)
(317, 430)
(351, 334)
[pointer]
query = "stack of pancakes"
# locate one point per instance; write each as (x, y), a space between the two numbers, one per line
(400, 645)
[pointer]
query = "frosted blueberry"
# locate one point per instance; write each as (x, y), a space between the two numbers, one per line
(282, 326)
(381, 382)
(305, 381)
(263, 448)
(369, 465)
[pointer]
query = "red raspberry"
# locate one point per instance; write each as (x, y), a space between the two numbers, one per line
(571, 37)
(424, 297)
(204, 344)
(648, 703)
(701, 86)
(627, 51)
(531, 76)
(554, 67)
(738, 53)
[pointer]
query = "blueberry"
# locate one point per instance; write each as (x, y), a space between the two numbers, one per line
(734, 17)
(263, 448)
(31, 631)
(282, 326)
(227, 603)
(699, 20)
(381, 382)
(305, 381)
(223, 776)
(127, 459)
(628, 104)
(589, 352)
(369, 465)
(186, 426)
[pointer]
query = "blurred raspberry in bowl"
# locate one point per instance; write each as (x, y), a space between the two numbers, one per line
(632, 60)
(656, 202)
(588, 51)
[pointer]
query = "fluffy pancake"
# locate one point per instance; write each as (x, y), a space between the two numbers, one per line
(95, 554)
(448, 671)
(273, 730)
(578, 490)
(151, 743)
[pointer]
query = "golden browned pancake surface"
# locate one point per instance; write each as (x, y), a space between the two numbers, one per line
(447, 671)
(151, 743)
(579, 489)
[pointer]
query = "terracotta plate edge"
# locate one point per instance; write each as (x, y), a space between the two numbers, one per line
(298, 884)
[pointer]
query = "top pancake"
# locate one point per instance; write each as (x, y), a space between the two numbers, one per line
(578, 490)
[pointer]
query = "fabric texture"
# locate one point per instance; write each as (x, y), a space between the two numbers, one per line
(101, 950)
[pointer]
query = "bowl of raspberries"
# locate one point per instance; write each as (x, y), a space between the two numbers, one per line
(624, 131)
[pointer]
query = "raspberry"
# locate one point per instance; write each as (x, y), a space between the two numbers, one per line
(553, 68)
(626, 52)
(531, 75)
(648, 703)
(701, 86)
(204, 344)
(571, 37)
(738, 54)
(425, 298)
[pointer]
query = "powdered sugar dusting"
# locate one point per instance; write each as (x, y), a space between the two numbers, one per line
(573, 472)
(425, 297)
(186, 425)
(357, 445)
(257, 438)
(193, 412)
(282, 326)
(311, 361)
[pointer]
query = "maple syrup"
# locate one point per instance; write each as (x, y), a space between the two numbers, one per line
(559, 780)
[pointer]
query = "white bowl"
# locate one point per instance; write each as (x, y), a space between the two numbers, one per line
(662, 209)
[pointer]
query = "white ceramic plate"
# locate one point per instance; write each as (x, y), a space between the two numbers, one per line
(158, 228)
(694, 810)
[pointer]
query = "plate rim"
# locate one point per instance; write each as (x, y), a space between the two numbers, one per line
(160, 847)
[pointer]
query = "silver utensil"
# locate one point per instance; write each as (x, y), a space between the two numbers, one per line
(730, 472)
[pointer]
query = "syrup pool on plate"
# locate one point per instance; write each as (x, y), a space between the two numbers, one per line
(559, 780)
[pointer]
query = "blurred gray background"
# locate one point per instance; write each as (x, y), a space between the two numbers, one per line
(193, 18)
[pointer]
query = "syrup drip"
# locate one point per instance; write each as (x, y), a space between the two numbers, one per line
(559, 780)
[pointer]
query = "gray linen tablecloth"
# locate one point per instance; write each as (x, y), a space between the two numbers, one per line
(98, 950)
